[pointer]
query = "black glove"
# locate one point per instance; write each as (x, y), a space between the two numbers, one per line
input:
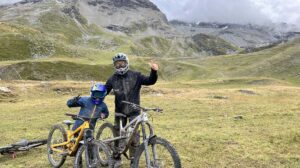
(75, 99)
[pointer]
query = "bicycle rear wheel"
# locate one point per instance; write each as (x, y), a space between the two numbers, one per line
(56, 135)
(161, 155)
(37, 143)
(88, 155)
(106, 131)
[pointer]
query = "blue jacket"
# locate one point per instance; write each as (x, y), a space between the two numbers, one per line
(87, 107)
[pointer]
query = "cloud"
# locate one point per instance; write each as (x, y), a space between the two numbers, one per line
(2, 2)
(232, 11)
(280, 10)
(229, 11)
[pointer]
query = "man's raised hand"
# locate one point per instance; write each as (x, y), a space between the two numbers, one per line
(153, 65)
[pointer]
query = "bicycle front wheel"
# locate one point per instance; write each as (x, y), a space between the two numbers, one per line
(90, 155)
(56, 135)
(161, 155)
(106, 131)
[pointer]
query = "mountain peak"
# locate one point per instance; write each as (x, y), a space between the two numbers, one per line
(133, 4)
(123, 14)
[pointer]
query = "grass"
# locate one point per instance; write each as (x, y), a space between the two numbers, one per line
(52, 22)
(19, 47)
(60, 70)
(213, 45)
(200, 125)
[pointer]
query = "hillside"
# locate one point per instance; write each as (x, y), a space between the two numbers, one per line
(39, 29)
(281, 62)
(40, 39)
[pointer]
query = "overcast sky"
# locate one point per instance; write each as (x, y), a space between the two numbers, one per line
(8, 1)
(229, 11)
(233, 11)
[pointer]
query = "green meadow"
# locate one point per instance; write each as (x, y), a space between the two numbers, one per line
(211, 123)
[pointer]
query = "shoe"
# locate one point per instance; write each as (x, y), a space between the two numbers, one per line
(117, 163)
(131, 162)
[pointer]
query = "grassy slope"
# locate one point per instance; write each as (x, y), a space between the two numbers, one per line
(281, 62)
(86, 47)
(208, 135)
(214, 45)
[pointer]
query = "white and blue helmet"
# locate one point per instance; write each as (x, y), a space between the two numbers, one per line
(98, 93)
(121, 69)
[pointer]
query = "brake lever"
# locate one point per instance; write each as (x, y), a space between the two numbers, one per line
(135, 107)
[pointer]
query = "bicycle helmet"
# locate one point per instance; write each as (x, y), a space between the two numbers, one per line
(98, 92)
(121, 63)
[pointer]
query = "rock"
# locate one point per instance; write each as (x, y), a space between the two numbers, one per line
(118, 28)
(5, 90)
(7, 95)
(238, 117)
(151, 91)
(247, 92)
(220, 97)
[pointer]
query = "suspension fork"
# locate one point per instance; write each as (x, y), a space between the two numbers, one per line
(145, 140)
(151, 136)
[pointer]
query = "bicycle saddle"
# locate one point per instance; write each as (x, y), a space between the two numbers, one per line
(68, 122)
(23, 142)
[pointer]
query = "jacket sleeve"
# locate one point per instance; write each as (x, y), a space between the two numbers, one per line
(75, 102)
(105, 110)
(149, 80)
(108, 85)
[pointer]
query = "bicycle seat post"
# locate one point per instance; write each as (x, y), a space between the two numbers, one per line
(68, 123)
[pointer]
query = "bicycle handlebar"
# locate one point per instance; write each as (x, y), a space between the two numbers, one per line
(74, 117)
(136, 106)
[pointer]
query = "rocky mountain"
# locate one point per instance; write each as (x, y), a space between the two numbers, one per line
(249, 37)
(127, 16)
(74, 39)
(136, 26)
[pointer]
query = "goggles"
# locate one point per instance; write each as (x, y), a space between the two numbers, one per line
(98, 95)
(120, 64)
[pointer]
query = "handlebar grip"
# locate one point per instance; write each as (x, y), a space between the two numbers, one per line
(69, 114)
(126, 102)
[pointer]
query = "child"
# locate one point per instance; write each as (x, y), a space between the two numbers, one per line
(91, 105)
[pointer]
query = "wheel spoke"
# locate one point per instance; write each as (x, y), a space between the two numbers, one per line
(57, 135)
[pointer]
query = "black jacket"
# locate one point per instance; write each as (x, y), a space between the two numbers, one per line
(127, 88)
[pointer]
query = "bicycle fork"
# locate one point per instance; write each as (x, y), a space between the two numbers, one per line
(147, 154)
(146, 145)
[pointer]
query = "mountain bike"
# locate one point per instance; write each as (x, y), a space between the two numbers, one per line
(158, 152)
(79, 143)
(23, 145)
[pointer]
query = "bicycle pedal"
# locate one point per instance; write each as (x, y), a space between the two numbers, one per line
(13, 155)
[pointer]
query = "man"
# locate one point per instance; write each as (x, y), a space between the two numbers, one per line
(127, 85)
